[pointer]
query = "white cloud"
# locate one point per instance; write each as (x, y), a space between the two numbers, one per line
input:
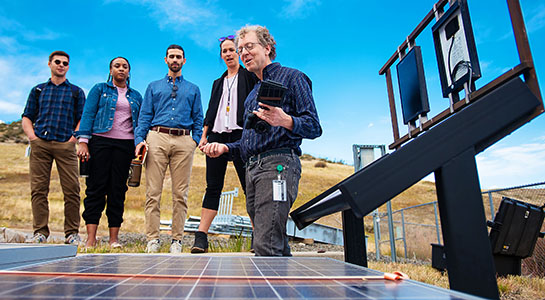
(45, 35)
(9, 44)
(514, 165)
(537, 20)
(9, 24)
(11, 108)
(295, 9)
(12, 30)
(198, 19)
(18, 74)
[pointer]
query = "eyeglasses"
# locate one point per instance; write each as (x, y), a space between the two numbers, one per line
(174, 89)
(248, 47)
(229, 37)
(58, 62)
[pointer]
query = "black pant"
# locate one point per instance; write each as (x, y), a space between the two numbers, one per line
(107, 182)
(216, 168)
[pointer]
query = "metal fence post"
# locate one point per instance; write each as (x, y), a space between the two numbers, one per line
(491, 204)
(436, 223)
(403, 227)
(391, 231)
(376, 226)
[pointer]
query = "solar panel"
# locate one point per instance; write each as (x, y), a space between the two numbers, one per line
(129, 276)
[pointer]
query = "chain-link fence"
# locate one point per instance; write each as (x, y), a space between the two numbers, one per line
(417, 227)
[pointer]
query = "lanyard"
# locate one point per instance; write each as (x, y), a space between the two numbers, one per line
(229, 86)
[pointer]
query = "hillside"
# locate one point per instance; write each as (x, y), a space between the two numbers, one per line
(12, 132)
(15, 191)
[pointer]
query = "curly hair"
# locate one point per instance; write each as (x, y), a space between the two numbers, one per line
(264, 37)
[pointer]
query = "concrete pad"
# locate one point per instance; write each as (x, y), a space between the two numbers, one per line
(16, 255)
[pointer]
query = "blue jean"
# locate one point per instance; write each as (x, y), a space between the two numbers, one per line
(269, 217)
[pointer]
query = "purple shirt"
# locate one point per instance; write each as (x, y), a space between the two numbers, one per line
(122, 127)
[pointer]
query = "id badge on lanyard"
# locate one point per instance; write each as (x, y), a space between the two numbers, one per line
(226, 119)
(279, 186)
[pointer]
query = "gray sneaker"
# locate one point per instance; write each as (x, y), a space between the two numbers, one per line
(37, 238)
(73, 239)
(153, 246)
(176, 247)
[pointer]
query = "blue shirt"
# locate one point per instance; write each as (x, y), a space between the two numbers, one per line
(298, 103)
(160, 109)
(56, 113)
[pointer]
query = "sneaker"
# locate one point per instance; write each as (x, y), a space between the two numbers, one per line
(201, 243)
(37, 238)
(153, 246)
(176, 247)
(116, 245)
(73, 239)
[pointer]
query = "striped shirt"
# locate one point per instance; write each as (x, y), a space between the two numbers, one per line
(297, 102)
(53, 113)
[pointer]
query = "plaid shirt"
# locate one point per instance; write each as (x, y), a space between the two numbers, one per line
(298, 103)
(53, 114)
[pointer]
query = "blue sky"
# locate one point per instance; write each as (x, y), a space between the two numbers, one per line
(339, 45)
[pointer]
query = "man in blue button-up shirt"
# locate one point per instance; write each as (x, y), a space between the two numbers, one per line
(170, 124)
(273, 168)
(52, 113)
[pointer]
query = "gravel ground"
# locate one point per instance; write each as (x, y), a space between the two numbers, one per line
(223, 241)
(296, 246)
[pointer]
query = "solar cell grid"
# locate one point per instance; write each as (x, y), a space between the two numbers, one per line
(162, 277)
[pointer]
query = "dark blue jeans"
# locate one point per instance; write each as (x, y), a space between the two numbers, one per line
(269, 217)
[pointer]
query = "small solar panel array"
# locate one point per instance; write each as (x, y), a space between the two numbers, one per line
(129, 276)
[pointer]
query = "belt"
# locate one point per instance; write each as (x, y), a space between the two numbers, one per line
(172, 131)
(257, 157)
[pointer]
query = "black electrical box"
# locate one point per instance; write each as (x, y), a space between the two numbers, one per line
(515, 228)
(438, 257)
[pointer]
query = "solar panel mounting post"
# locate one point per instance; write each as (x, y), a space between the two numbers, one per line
(469, 255)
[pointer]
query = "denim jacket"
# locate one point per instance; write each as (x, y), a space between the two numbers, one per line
(99, 109)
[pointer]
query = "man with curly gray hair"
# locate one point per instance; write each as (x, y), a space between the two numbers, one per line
(272, 161)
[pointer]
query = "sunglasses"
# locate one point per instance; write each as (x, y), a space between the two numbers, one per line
(174, 89)
(58, 62)
(229, 37)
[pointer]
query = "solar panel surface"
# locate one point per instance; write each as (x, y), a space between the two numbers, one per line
(207, 277)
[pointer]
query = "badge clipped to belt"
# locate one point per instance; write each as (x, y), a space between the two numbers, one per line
(279, 186)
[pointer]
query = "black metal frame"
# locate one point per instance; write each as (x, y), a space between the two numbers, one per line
(458, 6)
(448, 148)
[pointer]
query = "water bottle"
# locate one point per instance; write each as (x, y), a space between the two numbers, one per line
(84, 167)
(134, 173)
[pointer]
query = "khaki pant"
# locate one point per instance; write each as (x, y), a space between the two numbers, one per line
(42, 155)
(176, 152)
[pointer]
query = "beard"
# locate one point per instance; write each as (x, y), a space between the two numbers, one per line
(175, 68)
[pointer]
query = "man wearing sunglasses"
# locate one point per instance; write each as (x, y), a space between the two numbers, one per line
(52, 114)
(170, 125)
(271, 154)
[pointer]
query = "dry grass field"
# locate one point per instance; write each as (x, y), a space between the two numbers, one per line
(16, 211)
(15, 192)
